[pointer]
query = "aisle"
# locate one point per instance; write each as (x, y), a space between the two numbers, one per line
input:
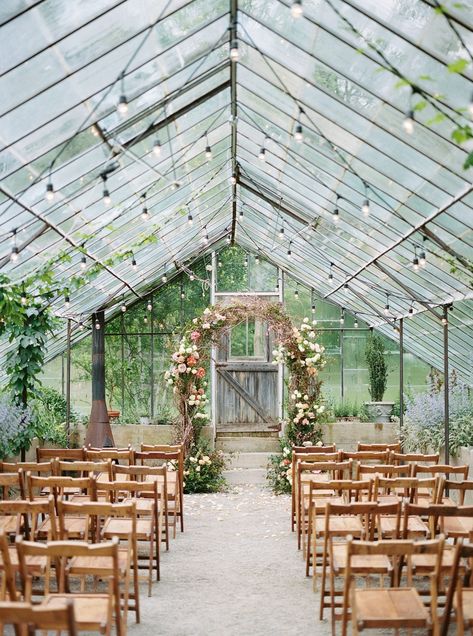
(235, 571)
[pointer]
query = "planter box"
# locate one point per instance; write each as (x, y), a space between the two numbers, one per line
(347, 434)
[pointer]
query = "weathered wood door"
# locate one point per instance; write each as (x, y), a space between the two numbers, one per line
(247, 397)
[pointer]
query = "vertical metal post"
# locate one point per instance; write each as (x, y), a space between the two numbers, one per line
(213, 353)
(68, 382)
(281, 366)
(63, 386)
(342, 366)
(122, 374)
(151, 300)
(401, 373)
(446, 384)
(233, 33)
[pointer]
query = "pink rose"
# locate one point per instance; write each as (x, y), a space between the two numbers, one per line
(200, 372)
(195, 335)
(181, 368)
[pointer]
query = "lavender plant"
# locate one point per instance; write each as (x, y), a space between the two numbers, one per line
(15, 429)
(424, 420)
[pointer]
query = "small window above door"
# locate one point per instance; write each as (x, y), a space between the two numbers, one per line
(248, 340)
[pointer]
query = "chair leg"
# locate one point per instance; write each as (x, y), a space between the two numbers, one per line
(136, 588)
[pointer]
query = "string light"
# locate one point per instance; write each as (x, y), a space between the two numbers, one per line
(289, 251)
(67, 302)
(157, 148)
(241, 212)
(234, 53)
(123, 308)
(81, 326)
(411, 311)
(164, 278)
(190, 220)
(106, 194)
(122, 106)
(470, 107)
(149, 306)
(415, 260)
(298, 133)
(145, 320)
(97, 324)
(145, 215)
(330, 275)
(276, 287)
(83, 260)
(191, 276)
(365, 208)
(423, 256)
(335, 216)
(228, 239)
(296, 293)
(219, 264)
(15, 253)
(342, 316)
(245, 262)
(346, 289)
(49, 191)
(296, 8)
(281, 232)
(208, 149)
(23, 299)
(183, 295)
(206, 237)
(355, 324)
(262, 152)
(386, 307)
(257, 259)
(444, 321)
(233, 178)
(94, 130)
(408, 122)
(133, 264)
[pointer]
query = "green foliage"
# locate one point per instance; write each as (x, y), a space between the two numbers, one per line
(458, 66)
(15, 429)
(364, 415)
(203, 469)
(49, 410)
(377, 367)
(279, 469)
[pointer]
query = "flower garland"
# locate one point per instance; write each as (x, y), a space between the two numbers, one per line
(296, 347)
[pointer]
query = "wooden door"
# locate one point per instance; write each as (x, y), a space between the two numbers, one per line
(246, 380)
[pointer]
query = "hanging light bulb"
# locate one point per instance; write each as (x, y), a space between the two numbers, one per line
(122, 106)
(313, 309)
(296, 8)
(298, 134)
(386, 307)
(183, 295)
(470, 107)
(206, 238)
(411, 311)
(145, 320)
(408, 123)
(228, 239)
(296, 293)
(191, 276)
(123, 308)
(346, 289)
(81, 326)
(157, 148)
(423, 256)
(94, 130)
(281, 232)
(106, 194)
(342, 316)
(49, 191)
(67, 302)
(145, 215)
(208, 153)
(257, 259)
(233, 178)
(149, 306)
(444, 321)
(234, 53)
(164, 278)
(335, 216)
(262, 154)
(355, 324)
(133, 264)
(241, 212)
(365, 208)
(190, 220)
(14, 254)
(23, 299)
(219, 264)
(330, 275)
(83, 262)
(289, 251)
(245, 262)
(97, 324)
(415, 260)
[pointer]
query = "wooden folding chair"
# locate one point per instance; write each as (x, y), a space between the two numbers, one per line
(359, 520)
(144, 505)
(42, 468)
(446, 470)
(414, 458)
(298, 452)
(98, 516)
(147, 527)
(394, 446)
(334, 491)
(458, 491)
(8, 587)
(460, 594)
(369, 471)
(35, 617)
(313, 468)
(392, 607)
(64, 454)
(12, 485)
(175, 480)
(94, 611)
(367, 457)
(116, 455)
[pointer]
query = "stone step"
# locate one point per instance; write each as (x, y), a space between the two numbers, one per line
(247, 444)
(247, 460)
(245, 476)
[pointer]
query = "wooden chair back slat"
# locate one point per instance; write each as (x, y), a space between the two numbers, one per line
(394, 446)
(36, 617)
(64, 454)
(414, 458)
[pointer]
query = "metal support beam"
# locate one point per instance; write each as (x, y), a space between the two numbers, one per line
(67, 238)
(275, 204)
(68, 382)
(233, 33)
(417, 228)
(446, 385)
(401, 373)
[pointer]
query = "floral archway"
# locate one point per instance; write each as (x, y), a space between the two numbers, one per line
(297, 347)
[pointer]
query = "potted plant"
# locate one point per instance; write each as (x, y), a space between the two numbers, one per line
(378, 410)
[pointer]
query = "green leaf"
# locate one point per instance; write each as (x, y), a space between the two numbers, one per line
(402, 82)
(468, 162)
(438, 119)
(458, 66)
(426, 78)
(462, 134)
(420, 105)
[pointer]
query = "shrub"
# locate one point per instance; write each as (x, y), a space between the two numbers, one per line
(377, 367)
(49, 409)
(203, 469)
(15, 428)
(423, 428)
(279, 469)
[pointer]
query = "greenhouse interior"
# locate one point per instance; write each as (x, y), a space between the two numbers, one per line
(236, 317)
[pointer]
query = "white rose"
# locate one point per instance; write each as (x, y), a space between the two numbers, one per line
(206, 325)
(206, 311)
(197, 469)
(170, 381)
(193, 460)
(201, 462)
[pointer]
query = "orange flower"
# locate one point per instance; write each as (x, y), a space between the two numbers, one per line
(191, 361)
(200, 372)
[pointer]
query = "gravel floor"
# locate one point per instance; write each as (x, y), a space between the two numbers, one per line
(235, 570)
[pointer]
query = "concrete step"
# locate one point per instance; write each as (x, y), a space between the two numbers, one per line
(247, 460)
(242, 444)
(245, 476)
